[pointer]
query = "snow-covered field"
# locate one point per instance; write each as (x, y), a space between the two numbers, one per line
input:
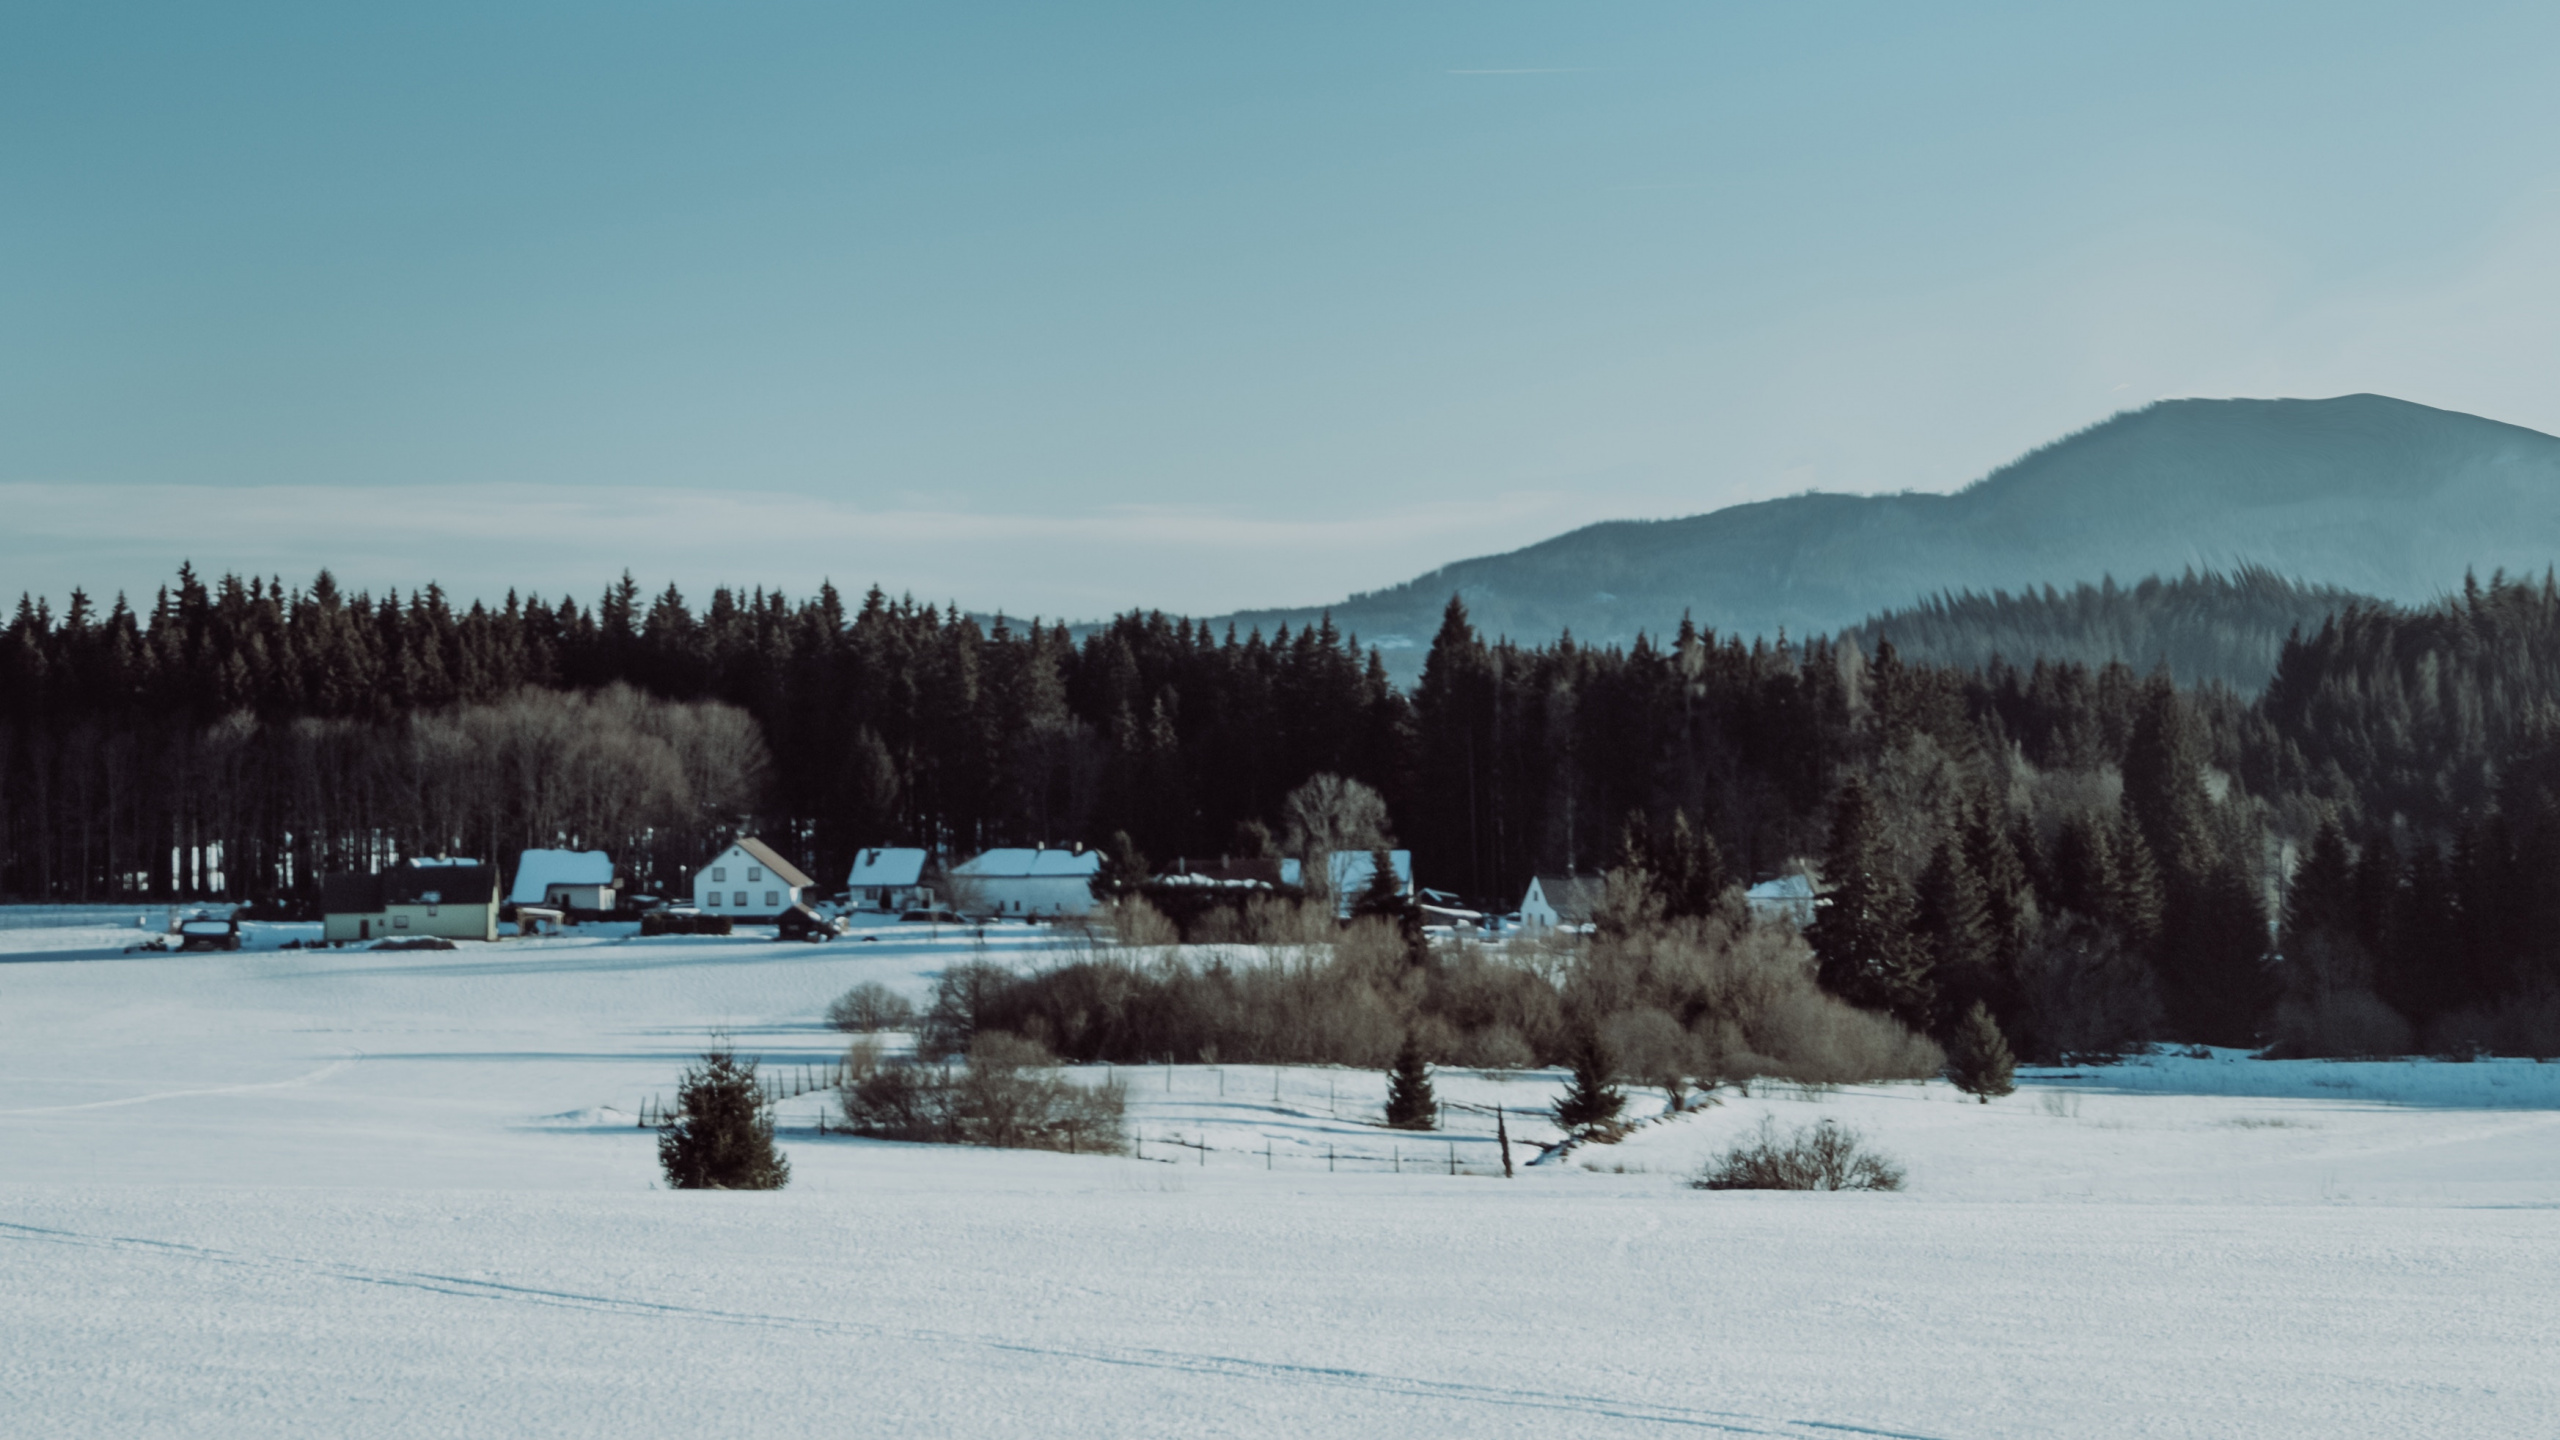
(288, 1193)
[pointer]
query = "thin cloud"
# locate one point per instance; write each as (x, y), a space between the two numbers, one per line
(479, 540)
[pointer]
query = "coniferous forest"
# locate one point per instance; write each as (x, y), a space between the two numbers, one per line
(2355, 861)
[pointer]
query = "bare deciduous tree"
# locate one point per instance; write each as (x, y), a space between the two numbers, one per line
(1327, 814)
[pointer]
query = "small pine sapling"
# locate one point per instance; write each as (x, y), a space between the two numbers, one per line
(1979, 1062)
(1591, 1100)
(721, 1136)
(1410, 1103)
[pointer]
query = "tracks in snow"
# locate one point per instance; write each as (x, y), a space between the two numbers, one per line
(1595, 1407)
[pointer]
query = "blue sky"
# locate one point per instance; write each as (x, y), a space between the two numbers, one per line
(1064, 309)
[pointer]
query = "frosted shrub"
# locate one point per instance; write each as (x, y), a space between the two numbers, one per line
(871, 1006)
(1689, 1002)
(1009, 1095)
(1825, 1155)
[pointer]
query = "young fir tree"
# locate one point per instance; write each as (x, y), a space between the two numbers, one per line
(721, 1137)
(1410, 1104)
(1979, 1061)
(1592, 1099)
(2136, 895)
(1689, 870)
(1384, 894)
(2323, 895)
(2008, 888)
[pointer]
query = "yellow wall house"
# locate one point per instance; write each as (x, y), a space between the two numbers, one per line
(448, 899)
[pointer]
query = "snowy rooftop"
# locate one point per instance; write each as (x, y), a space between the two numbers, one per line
(886, 867)
(1022, 864)
(539, 870)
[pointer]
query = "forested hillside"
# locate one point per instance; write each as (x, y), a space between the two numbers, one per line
(2226, 629)
(2096, 854)
(2363, 492)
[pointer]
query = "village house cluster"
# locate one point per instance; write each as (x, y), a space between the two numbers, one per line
(750, 882)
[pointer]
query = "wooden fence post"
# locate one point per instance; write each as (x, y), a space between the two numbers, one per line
(1502, 1133)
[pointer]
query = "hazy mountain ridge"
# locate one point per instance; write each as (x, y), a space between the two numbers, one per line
(2363, 493)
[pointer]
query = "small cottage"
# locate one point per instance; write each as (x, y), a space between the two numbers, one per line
(891, 880)
(444, 899)
(1560, 901)
(749, 881)
(564, 880)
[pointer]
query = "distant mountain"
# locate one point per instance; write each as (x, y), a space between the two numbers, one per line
(2222, 628)
(2362, 492)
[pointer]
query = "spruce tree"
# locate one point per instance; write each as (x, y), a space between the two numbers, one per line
(1689, 871)
(1979, 1062)
(1592, 1099)
(722, 1136)
(2323, 893)
(1384, 895)
(2136, 894)
(1955, 923)
(1410, 1104)
(2008, 891)
(1863, 935)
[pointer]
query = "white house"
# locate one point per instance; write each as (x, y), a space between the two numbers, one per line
(1560, 901)
(748, 881)
(570, 879)
(1790, 897)
(1026, 882)
(889, 880)
(1351, 870)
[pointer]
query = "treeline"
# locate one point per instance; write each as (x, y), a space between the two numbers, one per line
(2207, 628)
(2084, 849)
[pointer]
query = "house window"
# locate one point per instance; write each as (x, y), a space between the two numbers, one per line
(715, 897)
(399, 922)
(755, 872)
(742, 899)
(719, 872)
(773, 897)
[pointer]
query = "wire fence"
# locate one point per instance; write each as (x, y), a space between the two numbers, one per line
(1464, 1139)
(774, 1086)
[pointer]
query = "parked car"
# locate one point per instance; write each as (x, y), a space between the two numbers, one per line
(802, 923)
(205, 930)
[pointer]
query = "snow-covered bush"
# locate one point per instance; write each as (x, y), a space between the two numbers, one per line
(1690, 1001)
(1825, 1155)
(871, 1006)
(1010, 1094)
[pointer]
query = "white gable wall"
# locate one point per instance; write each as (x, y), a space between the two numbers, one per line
(719, 886)
(1534, 909)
